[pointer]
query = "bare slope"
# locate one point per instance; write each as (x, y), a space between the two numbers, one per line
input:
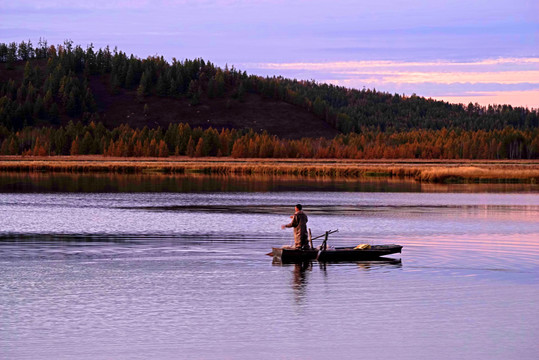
(257, 113)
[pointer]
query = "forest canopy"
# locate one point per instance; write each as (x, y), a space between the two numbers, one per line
(182, 140)
(47, 106)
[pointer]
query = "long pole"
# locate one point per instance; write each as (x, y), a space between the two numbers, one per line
(324, 234)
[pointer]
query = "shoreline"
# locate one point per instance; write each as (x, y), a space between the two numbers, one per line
(430, 171)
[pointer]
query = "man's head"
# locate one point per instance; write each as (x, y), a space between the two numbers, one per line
(298, 207)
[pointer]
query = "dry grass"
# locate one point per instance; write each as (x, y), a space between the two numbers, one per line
(479, 174)
(422, 170)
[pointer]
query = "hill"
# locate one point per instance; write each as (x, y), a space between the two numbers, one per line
(253, 112)
(115, 105)
(51, 85)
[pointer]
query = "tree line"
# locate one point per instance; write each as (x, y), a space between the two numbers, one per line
(182, 140)
(55, 83)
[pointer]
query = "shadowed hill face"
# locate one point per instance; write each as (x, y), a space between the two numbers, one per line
(254, 112)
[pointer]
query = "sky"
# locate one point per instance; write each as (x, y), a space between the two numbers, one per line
(479, 51)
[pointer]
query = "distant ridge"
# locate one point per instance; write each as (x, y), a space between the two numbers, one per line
(49, 85)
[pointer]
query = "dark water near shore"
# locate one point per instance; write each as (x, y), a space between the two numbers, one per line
(112, 267)
(35, 182)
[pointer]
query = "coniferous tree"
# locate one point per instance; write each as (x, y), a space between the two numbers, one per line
(162, 149)
(115, 84)
(241, 92)
(130, 76)
(199, 150)
(53, 113)
(219, 84)
(73, 104)
(162, 87)
(3, 52)
(28, 72)
(75, 147)
(89, 102)
(39, 108)
(190, 149)
(13, 147)
(11, 56)
(211, 89)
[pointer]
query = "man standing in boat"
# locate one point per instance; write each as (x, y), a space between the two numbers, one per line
(299, 223)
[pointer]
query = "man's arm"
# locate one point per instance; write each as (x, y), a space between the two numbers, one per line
(294, 223)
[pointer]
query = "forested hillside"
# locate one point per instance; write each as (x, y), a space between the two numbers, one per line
(51, 88)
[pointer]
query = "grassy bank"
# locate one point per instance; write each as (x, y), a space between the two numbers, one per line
(420, 170)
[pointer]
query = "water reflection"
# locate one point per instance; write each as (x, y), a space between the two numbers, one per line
(299, 282)
(381, 263)
(112, 183)
(67, 182)
(302, 270)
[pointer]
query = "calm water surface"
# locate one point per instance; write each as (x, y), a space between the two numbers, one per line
(92, 273)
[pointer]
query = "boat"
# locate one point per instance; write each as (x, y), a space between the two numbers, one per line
(324, 253)
(373, 252)
(357, 254)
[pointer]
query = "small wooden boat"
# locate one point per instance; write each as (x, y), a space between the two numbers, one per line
(291, 255)
(325, 254)
(353, 254)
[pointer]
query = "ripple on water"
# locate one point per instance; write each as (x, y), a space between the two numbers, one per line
(91, 276)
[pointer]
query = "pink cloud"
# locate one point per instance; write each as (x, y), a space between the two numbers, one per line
(353, 65)
(529, 98)
(521, 74)
(447, 77)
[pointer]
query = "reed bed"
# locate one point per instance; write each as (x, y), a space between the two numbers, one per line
(423, 171)
(478, 174)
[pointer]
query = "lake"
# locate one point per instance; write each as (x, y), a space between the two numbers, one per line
(154, 266)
